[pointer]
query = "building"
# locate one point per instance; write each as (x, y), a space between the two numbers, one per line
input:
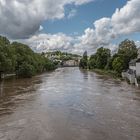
(134, 66)
(70, 63)
(133, 73)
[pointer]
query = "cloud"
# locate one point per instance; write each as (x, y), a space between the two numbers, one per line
(127, 19)
(72, 13)
(22, 18)
(41, 28)
(137, 44)
(124, 21)
(49, 42)
(79, 2)
(100, 35)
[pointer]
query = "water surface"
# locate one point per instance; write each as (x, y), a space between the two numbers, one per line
(69, 104)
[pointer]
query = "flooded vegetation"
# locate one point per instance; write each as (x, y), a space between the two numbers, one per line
(69, 104)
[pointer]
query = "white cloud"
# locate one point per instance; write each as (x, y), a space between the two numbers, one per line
(127, 19)
(98, 37)
(79, 2)
(72, 13)
(41, 28)
(123, 21)
(137, 44)
(49, 42)
(21, 18)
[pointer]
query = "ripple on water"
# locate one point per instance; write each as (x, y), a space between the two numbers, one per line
(70, 105)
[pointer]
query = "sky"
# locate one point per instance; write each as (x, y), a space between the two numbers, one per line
(70, 25)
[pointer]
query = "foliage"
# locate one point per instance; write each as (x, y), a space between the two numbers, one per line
(103, 60)
(49, 66)
(26, 70)
(118, 64)
(100, 59)
(84, 61)
(92, 62)
(127, 51)
(20, 59)
(7, 59)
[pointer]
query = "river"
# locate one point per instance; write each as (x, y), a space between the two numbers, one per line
(69, 104)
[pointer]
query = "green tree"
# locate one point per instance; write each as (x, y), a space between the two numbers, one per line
(21, 59)
(127, 51)
(92, 62)
(84, 61)
(26, 70)
(7, 57)
(109, 65)
(49, 66)
(118, 65)
(101, 59)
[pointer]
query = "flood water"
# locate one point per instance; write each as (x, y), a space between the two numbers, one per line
(69, 104)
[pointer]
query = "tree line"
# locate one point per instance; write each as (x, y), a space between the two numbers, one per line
(104, 60)
(20, 59)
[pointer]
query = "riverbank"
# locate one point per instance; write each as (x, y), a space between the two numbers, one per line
(4, 76)
(110, 73)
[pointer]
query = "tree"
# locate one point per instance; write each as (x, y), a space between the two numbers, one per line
(85, 56)
(118, 65)
(7, 57)
(20, 59)
(49, 66)
(92, 62)
(127, 51)
(26, 70)
(109, 65)
(100, 59)
(84, 61)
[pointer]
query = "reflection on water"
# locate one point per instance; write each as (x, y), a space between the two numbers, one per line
(69, 104)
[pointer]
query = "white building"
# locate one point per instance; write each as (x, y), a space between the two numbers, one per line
(134, 70)
(70, 63)
(134, 67)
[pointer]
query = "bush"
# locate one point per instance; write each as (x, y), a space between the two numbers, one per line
(26, 70)
(49, 66)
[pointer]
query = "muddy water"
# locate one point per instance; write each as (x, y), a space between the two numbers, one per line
(69, 104)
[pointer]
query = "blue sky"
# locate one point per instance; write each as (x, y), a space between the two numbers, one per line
(84, 18)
